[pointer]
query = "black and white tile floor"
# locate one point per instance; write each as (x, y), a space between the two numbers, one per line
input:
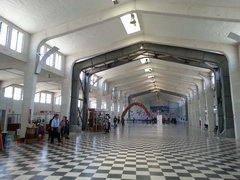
(141, 152)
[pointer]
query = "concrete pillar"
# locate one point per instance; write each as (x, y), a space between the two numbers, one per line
(121, 103)
(99, 94)
(109, 103)
(115, 102)
(190, 118)
(210, 106)
(66, 88)
(30, 81)
(202, 104)
(197, 107)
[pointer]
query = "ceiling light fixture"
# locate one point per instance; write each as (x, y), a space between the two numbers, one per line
(130, 23)
(115, 2)
(149, 77)
(145, 60)
(133, 21)
(148, 70)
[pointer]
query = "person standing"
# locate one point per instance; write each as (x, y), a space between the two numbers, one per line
(115, 122)
(62, 128)
(118, 119)
(123, 121)
(67, 127)
(50, 132)
(55, 125)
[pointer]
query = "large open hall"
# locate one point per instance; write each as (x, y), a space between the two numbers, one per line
(119, 90)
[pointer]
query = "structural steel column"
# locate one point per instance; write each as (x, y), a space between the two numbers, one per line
(210, 106)
(85, 101)
(74, 97)
(202, 104)
(226, 100)
(99, 95)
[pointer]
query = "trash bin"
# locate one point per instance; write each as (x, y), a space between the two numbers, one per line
(7, 141)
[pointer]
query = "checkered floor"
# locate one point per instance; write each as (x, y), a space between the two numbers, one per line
(137, 151)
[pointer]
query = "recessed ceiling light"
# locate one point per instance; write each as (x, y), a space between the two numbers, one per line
(148, 70)
(145, 60)
(130, 23)
(149, 77)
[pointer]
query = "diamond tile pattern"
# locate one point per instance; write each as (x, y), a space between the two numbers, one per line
(142, 152)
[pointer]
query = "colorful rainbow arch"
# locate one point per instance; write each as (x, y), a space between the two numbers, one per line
(136, 104)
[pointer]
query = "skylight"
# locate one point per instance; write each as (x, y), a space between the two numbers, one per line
(148, 70)
(130, 23)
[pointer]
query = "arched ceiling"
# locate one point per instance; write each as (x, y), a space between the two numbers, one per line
(131, 78)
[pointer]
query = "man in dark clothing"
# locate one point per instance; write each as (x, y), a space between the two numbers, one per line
(50, 129)
(55, 125)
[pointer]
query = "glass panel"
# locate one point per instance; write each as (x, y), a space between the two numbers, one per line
(3, 33)
(49, 99)
(17, 93)
(93, 103)
(37, 97)
(14, 39)
(8, 93)
(48, 59)
(43, 98)
(58, 100)
(19, 42)
(58, 62)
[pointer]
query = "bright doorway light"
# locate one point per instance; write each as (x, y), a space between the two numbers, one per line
(148, 70)
(128, 25)
(145, 60)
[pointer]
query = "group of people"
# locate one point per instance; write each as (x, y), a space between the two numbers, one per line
(116, 120)
(58, 129)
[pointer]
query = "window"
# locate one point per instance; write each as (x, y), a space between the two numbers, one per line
(79, 103)
(13, 92)
(50, 59)
(58, 61)
(3, 33)
(16, 41)
(17, 93)
(37, 97)
(43, 98)
(8, 93)
(213, 79)
(81, 75)
(119, 94)
(105, 86)
(48, 98)
(103, 105)
(93, 80)
(93, 103)
(58, 100)
(112, 107)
